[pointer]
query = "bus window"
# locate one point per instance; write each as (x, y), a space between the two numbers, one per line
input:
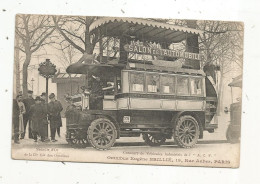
(196, 86)
(137, 82)
(183, 85)
(167, 84)
(152, 83)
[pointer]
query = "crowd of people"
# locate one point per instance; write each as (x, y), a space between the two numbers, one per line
(37, 115)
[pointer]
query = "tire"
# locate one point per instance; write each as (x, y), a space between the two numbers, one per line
(232, 136)
(102, 134)
(186, 133)
(78, 138)
(154, 139)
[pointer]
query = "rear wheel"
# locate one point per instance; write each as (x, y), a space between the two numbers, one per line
(154, 139)
(78, 138)
(186, 133)
(102, 134)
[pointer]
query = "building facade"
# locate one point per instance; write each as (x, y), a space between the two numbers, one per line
(67, 84)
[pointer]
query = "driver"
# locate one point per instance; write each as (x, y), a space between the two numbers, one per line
(96, 93)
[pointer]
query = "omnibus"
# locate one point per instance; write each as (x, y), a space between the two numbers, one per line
(159, 98)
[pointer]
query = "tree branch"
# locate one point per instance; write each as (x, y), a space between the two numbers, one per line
(42, 40)
(66, 37)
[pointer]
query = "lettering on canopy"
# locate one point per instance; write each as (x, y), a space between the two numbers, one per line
(140, 49)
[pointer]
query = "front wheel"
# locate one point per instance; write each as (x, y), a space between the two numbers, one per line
(102, 134)
(187, 131)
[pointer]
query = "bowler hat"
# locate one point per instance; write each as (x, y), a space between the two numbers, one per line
(52, 95)
(38, 98)
(43, 94)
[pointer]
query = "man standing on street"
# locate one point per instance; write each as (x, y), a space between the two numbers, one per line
(38, 114)
(54, 110)
(45, 127)
(28, 102)
(17, 114)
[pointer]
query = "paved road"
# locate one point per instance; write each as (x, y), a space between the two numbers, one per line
(218, 137)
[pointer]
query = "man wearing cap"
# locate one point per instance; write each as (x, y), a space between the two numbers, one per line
(38, 114)
(18, 111)
(54, 110)
(28, 102)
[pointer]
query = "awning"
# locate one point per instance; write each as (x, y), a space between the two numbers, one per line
(143, 29)
(237, 82)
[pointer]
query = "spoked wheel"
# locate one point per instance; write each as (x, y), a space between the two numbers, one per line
(102, 134)
(78, 138)
(186, 131)
(154, 139)
(232, 136)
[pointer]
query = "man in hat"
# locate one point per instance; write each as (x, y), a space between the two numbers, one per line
(43, 97)
(28, 102)
(54, 110)
(38, 114)
(45, 128)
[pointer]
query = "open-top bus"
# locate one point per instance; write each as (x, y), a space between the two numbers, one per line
(163, 97)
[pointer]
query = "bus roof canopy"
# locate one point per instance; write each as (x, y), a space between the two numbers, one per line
(94, 69)
(142, 29)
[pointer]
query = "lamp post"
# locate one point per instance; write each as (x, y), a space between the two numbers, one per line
(47, 69)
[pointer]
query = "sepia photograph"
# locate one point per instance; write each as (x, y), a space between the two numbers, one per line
(127, 90)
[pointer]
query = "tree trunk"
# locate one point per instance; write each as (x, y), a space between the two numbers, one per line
(100, 51)
(123, 54)
(220, 93)
(192, 45)
(88, 45)
(17, 67)
(25, 72)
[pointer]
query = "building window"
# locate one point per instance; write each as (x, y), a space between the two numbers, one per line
(167, 84)
(137, 82)
(196, 86)
(183, 85)
(152, 83)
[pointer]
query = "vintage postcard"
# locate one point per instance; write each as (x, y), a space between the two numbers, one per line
(127, 90)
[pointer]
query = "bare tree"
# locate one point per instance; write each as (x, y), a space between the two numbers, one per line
(221, 43)
(67, 55)
(33, 31)
(75, 30)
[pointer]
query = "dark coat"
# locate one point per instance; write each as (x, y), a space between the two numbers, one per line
(28, 102)
(38, 114)
(54, 109)
(16, 112)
